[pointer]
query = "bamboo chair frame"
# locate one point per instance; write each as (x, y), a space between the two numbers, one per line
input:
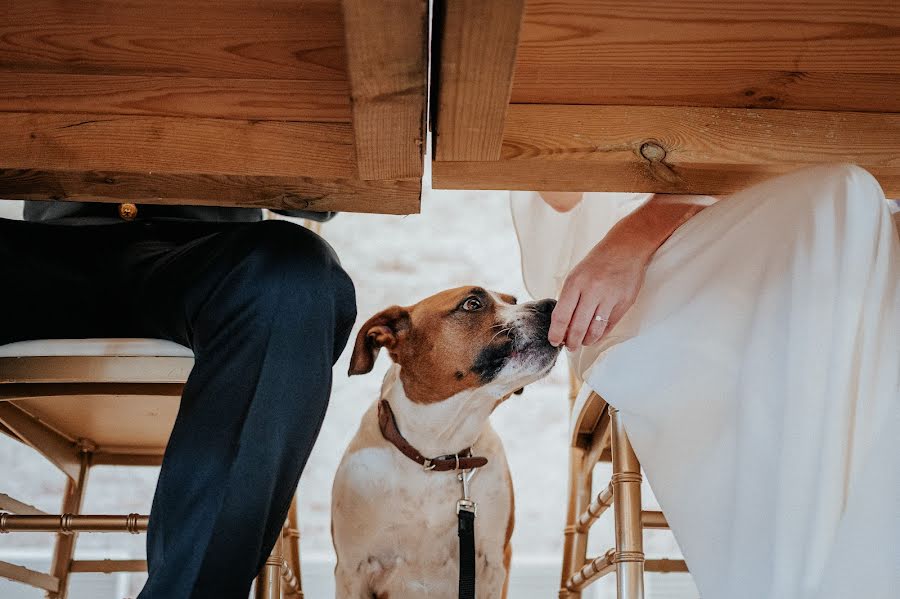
(67, 378)
(599, 436)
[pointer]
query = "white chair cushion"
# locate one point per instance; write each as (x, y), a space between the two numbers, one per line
(95, 347)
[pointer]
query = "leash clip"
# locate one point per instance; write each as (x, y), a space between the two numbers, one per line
(465, 504)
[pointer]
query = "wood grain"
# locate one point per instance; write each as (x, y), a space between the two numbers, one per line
(830, 36)
(805, 54)
(673, 150)
(280, 193)
(258, 99)
(92, 142)
(387, 54)
(857, 92)
(477, 49)
(269, 39)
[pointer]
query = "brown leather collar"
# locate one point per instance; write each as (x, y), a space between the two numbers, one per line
(463, 460)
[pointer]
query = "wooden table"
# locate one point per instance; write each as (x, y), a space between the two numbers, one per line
(697, 96)
(320, 104)
(311, 104)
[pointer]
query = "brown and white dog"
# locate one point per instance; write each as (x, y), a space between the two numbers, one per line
(457, 355)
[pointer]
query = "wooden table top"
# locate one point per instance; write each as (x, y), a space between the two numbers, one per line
(321, 104)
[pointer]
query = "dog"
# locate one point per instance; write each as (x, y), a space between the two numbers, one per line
(457, 355)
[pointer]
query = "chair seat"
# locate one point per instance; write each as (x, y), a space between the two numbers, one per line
(122, 394)
(95, 347)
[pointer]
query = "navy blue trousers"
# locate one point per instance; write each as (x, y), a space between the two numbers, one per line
(267, 310)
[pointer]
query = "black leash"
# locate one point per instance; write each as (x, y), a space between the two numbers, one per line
(466, 509)
(466, 554)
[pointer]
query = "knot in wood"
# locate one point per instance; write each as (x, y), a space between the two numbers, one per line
(652, 151)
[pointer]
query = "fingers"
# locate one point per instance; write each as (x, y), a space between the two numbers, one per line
(581, 320)
(562, 314)
(601, 323)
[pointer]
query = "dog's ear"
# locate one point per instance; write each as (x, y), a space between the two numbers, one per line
(385, 329)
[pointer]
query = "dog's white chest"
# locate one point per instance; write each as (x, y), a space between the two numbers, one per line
(398, 525)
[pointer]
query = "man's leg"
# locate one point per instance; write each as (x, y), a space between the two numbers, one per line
(267, 309)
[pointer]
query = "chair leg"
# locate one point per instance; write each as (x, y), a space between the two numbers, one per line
(268, 583)
(64, 549)
(626, 480)
(293, 545)
(570, 554)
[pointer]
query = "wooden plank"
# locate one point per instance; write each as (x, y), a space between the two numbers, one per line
(861, 92)
(673, 150)
(823, 36)
(32, 578)
(632, 178)
(269, 39)
(91, 142)
(280, 193)
(477, 50)
(244, 99)
(387, 53)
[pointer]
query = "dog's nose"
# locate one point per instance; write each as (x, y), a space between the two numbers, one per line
(545, 306)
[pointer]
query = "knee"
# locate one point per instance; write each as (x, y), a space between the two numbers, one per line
(846, 187)
(294, 272)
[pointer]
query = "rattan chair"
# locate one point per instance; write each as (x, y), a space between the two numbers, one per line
(87, 402)
(598, 436)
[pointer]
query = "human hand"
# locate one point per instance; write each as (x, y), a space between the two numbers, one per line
(604, 285)
(599, 290)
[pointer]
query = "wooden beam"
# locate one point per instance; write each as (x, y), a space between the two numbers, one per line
(280, 193)
(673, 150)
(477, 53)
(91, 142)
(387, 49)
(32, 578)
(225, 98)
(61, 452)
(797, 90)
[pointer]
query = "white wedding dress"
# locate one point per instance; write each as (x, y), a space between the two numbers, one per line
(758, 375)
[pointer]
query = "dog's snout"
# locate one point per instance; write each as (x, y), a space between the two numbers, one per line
(545, 306)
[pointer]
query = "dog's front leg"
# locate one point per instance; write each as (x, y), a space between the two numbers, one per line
(351, 583)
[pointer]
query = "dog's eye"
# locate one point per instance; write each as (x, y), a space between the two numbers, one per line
(472, 304)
